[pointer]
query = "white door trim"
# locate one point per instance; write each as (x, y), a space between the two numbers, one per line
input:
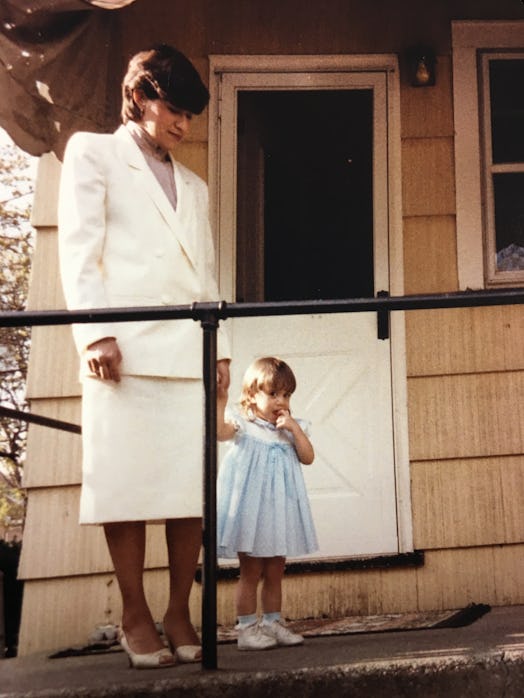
(224, 188)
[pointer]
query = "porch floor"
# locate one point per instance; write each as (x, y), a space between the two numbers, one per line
(479, 660)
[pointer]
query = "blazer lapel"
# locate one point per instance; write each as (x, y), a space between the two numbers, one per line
(151, 186)
(185, 213)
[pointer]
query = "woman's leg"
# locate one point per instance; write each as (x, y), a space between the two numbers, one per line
(184, 539)
(246, 591)
(272, 573)
(126, 543)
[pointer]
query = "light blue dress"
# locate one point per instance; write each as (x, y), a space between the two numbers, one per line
(262, 503)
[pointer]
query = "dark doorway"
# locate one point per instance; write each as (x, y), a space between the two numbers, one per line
(305, 200)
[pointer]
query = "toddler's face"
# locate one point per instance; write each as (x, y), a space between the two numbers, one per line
(270, 405)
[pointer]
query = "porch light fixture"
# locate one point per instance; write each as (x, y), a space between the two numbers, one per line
(421, 62)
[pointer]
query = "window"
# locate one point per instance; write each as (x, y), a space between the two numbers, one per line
(502, 87)
(488, 74)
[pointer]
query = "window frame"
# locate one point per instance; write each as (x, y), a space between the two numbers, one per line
(469, 39)
(494, 277)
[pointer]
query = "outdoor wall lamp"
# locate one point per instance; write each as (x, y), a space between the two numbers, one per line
(421, 62)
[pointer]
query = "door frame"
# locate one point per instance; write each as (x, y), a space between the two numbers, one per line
(222, 193)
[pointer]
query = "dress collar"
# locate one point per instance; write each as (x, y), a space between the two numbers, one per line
(264, 423)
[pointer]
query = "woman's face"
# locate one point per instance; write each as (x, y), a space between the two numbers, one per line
(166, 124)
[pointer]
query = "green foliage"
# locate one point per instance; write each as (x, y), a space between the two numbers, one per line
(16, 245)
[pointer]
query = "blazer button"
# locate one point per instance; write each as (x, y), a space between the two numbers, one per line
(166, 299)
(159, 253)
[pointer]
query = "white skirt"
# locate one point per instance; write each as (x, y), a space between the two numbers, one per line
(142, 444)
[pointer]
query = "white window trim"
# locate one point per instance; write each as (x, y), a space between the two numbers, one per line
(491, 275)
(468, 37)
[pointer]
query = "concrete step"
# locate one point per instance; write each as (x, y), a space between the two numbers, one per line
(482, 660)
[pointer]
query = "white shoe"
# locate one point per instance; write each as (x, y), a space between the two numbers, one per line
(251, 637)
(283, 636)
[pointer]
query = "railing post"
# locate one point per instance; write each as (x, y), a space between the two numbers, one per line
(209, 322)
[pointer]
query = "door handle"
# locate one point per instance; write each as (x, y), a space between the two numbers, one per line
(383, 318)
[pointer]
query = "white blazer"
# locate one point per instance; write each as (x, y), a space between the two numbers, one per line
(122, 244)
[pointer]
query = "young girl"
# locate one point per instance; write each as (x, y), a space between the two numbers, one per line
(263, 508)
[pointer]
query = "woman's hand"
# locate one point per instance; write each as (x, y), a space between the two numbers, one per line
(104, 359)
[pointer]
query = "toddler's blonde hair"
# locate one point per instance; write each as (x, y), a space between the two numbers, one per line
(267, 373)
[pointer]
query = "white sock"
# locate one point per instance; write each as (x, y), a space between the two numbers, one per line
(244, 621)
(269, 618)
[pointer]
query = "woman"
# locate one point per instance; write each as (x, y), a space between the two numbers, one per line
(134, 231)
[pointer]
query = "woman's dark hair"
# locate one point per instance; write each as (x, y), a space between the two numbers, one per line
(162, 72)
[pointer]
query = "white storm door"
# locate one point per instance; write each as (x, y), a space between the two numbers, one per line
(344, 372)
(344, 390)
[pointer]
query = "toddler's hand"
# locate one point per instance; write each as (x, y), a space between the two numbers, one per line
(285, 420)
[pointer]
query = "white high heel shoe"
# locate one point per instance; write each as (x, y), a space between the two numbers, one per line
(152, 660)
(187, 654)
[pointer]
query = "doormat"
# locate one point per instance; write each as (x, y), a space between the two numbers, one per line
(314, 627)
(389, 622)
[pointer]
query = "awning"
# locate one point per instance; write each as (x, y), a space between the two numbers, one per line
(61, 63)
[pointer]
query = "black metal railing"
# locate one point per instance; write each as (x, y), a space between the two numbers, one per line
(210, 315)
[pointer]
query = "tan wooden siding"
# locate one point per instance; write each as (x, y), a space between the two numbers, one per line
(428, 176)
(59, 613)
(45, 200)
(64, 548)
(428, 112)
(45, 291)
(194, 156)
(274, 26)
(53, 366)
(460, 503)
(466, 416)
(53, 456)
(53, 363)
(449, 579)
(454, 578)
(465, 340)
(430, 255)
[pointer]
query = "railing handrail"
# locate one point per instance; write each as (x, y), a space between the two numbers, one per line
(223, 310)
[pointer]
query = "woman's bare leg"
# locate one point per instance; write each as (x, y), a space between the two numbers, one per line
(126, 543)
(184, 539)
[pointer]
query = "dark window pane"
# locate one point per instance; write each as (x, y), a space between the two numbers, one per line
(509, 220)
(507, 109)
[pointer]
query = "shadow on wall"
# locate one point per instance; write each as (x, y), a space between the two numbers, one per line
(12, 596)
